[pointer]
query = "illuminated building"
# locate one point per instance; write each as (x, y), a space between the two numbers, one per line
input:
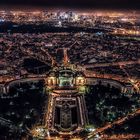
(66, 112)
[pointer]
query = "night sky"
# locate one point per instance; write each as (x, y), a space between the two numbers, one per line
(99, 4)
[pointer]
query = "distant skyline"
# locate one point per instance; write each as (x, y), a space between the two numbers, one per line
(77, 4)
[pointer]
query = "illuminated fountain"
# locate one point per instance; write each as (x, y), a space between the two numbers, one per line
(66, 113)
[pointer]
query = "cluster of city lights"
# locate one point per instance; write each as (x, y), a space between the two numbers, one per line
(127, 32)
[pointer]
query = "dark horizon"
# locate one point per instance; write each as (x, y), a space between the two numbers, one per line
(73, 4)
